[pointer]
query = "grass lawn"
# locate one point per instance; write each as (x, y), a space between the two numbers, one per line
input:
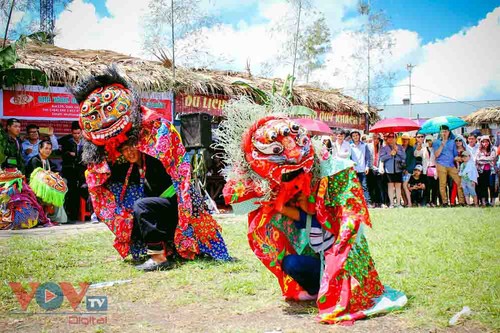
(443, 259)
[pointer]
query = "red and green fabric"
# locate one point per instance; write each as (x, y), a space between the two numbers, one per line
(196, 228)
(350, 288)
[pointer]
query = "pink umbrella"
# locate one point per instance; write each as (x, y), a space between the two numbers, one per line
(395, 125)
(315, 127)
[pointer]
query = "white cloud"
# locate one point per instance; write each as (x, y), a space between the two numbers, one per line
(462, 66)
(79, 27)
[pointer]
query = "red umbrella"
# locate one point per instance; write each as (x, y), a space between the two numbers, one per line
(315, 127)
(395, 125)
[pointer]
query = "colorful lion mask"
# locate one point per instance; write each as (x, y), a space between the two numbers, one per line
(275, 147)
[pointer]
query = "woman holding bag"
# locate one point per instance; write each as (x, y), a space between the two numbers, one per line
(485, 161)
(429, 169)
(393, 157)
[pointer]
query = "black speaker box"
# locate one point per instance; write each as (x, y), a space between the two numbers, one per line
(196, 130)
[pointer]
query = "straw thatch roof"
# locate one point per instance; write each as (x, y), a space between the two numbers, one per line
(489, 115)
(65, 67)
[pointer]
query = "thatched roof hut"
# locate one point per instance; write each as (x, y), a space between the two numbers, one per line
(489, 115)
(65, 67)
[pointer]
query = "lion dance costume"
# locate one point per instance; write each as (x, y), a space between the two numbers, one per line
(276, 160)
(110, 113)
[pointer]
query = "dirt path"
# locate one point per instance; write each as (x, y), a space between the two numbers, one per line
(147, 306)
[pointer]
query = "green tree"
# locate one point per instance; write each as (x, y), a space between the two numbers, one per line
(313, 45)
(375, 45)
(9, 74)
(165, 28)
(307, 40)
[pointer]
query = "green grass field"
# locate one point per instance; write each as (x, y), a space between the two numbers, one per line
(443, 259)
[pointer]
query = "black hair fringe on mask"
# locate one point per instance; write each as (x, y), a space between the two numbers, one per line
(85, 86)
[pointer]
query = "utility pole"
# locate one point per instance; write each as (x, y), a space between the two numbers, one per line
(296, 44)
(173, 58)
(409, 67)
(8, 22)
(364, 9)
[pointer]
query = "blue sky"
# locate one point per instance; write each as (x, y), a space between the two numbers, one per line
(454, 44)
(432, 19)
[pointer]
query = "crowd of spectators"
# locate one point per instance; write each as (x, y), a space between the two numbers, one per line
(421, 170)
(31, 150)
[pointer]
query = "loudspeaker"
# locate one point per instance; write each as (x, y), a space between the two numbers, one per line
(196, 130)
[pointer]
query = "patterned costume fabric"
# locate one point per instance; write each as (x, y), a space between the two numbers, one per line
(19, 208)
(108, 116)
(350, 288)
(196, 228)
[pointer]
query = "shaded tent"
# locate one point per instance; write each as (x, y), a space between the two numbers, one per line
(489, 115)
(64, 67)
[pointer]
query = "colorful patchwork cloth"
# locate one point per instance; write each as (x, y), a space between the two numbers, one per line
(19, 208)
(350, 288)
(197, 232)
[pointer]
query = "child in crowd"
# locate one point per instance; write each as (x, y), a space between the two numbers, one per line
(469, 174)
(416, 186)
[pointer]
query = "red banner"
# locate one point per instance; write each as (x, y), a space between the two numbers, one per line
(56, 103)
(38, 103)
(212, 104)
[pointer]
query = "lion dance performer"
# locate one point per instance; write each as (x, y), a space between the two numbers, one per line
(306, 213)
(139, 177)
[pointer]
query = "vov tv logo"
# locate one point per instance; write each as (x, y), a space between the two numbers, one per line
(50, 296)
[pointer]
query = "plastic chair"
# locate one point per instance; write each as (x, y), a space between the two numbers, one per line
(83, 213)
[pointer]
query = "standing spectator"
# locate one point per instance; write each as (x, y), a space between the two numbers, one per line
(468, 172)
(461, 146)
(472, 146)
(73, 170)
(430, 172)
(341, 148)
(376, 181)
(445, 151)
(13, 147)
(361, 156)
(327, 142)
(485, 161)
(409, 165)
(416, 186)
(30, 145)
(393, 157)
(418, 149)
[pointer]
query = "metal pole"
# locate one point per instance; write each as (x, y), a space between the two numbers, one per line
(367, 116)
(7, 26)
(409, 67)
(296, 43)
(173, 38)
(173, 57)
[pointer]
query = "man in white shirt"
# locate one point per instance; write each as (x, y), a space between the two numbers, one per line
(472, 146)
(341, 148)
(362, 157)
